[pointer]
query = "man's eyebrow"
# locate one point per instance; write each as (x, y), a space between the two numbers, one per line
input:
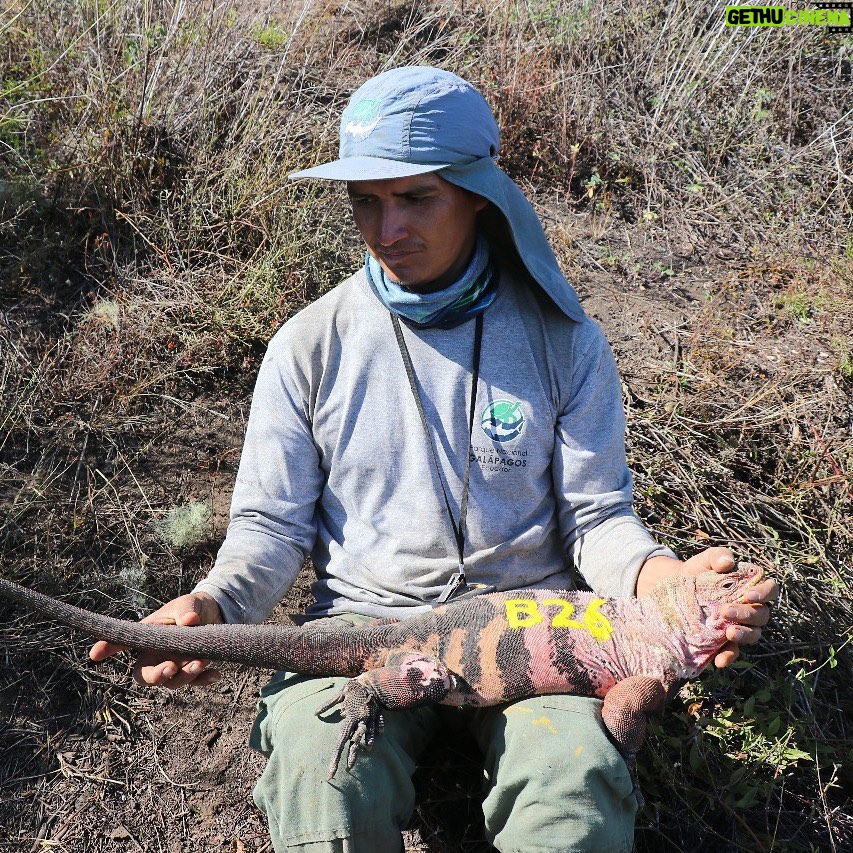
(419, 189)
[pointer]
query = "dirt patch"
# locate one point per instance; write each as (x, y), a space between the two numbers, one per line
(130, 769)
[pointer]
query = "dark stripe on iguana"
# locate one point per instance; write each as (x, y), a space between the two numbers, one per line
(514, 660)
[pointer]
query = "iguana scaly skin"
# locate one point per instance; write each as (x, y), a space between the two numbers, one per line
(478, 651)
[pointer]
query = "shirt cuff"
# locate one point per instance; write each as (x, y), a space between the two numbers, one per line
(610, 555)
(232, 611)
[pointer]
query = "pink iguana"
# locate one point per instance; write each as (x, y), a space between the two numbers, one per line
(477, 651)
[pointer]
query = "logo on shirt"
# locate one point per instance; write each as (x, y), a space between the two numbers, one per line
(365, 117)
(503, 421)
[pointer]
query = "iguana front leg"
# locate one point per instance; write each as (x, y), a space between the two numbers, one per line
(626, 707)
(407, 680)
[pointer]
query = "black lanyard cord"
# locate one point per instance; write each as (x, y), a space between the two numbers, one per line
(458, 529)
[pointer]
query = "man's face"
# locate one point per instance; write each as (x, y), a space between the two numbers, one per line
(422, 230)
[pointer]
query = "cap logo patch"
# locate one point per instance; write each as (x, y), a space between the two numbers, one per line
(364, 118)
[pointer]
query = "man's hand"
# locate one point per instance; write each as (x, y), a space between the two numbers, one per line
(751, 616)
(155, 669)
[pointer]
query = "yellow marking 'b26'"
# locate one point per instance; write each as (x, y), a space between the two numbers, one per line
(524, 613)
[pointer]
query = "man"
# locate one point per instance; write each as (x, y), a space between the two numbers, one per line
(448, 415)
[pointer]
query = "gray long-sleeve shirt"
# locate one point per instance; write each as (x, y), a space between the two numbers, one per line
(336, 464)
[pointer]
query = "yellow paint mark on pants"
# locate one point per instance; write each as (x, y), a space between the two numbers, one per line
(579, 750)
(546, 723)
(517, 709)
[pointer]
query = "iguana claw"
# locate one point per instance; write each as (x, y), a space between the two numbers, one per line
(363, 721)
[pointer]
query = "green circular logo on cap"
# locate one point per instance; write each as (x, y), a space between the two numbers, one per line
(364, 117)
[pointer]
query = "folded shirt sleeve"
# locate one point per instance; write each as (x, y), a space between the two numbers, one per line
(602, 535)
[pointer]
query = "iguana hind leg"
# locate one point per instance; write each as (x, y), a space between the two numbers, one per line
(407, 680)
(363, 720)
(626, 707)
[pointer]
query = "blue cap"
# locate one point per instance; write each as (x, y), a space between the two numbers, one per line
(417, 119)
(409, 121)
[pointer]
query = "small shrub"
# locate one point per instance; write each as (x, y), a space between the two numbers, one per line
(271, 36)
(187, 525)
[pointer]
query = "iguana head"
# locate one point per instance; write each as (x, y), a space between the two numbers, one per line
(715, 590)
(692, 607)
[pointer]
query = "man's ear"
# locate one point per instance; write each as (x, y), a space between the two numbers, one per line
(479, 202)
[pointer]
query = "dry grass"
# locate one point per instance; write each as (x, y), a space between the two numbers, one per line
(150, 243)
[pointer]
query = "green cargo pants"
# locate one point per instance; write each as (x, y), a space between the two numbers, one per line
(554, 780)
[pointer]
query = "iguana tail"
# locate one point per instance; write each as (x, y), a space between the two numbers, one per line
(310, 650)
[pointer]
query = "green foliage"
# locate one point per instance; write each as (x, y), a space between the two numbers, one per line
(731, 743)
(271, 36)
(844, 351)
(799, 305)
